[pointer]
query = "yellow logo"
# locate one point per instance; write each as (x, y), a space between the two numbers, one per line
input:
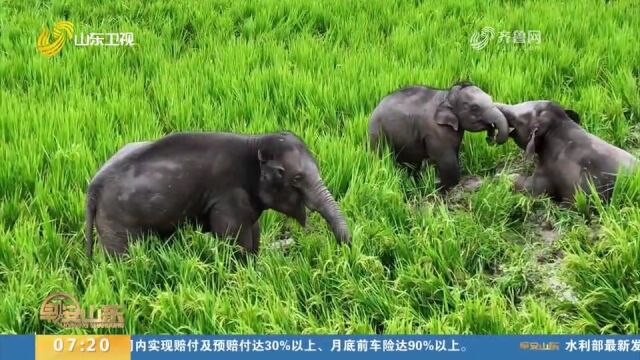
(536, 346)
(63, 309)
(62, 31)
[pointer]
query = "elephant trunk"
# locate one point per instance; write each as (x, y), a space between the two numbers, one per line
(320, 199)
(498, 119)
(508, 113)
(505, 109)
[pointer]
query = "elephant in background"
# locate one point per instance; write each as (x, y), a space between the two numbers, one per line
(423, 123)
(220, 181)
(569, 157)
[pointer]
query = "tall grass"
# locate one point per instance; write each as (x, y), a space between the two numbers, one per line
(419, 263)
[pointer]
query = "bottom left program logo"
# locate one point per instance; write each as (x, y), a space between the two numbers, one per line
(65, 310)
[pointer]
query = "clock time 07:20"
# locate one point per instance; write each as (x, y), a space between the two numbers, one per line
(81, 346)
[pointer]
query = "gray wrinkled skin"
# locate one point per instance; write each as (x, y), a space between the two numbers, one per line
(568, 156)
(421, 123)
(220, 181)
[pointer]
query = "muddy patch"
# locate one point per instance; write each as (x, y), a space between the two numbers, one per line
(471, 183)
(282, 244)
(467, 185)
(548, 236)
(548, 259)
(283, 240)
(545, 236)
(543, 228)
(561, 290)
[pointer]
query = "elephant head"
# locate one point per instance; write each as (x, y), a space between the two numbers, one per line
(290, 181)
(470, 108)
(531, 120)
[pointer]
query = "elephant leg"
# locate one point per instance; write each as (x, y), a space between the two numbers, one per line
(227, 226)
(114, 242)
(413, 169)
(255, 235)
(113, 237)
(446, 160)
(522, 183)
(448, 171)
(410, 158)
(231, 218)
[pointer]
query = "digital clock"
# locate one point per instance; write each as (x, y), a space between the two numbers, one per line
(89, 345)
(83, 347)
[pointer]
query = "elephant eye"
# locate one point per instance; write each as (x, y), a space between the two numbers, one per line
(475, 107)
(297, 178)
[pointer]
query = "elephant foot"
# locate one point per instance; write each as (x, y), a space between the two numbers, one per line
(520, 183)
(445, 189)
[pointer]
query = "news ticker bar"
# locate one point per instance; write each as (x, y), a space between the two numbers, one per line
(196, 347)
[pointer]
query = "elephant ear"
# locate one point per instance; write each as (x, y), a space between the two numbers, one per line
(271, 171)
(573, 115)
(445, 116)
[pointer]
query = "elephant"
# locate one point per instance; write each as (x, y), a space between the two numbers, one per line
(569, 157)
(220, 181)
(424, 123)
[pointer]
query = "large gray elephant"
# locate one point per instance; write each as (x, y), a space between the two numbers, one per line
(423, 123)
(220, 181)
(569, 157)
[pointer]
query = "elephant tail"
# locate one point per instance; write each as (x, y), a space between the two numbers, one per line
(90, 215)
(374, 136)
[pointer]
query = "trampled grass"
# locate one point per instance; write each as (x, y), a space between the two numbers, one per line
(483, 261)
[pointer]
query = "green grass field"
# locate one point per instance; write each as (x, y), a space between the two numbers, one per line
(484, 260)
